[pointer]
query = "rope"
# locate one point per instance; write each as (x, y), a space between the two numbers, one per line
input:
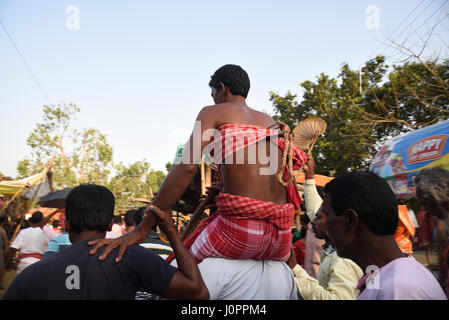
(287, 155)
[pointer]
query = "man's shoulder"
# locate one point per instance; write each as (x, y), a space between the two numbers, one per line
(136, 251)
(227, 113)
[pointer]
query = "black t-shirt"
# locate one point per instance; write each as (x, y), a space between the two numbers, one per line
(75, 274)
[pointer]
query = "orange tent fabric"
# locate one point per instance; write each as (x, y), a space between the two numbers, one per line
(405, 231)
(320, 180)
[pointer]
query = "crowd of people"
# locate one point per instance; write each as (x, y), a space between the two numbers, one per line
(356, 240)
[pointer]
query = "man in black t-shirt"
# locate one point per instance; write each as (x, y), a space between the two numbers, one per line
(75, 274)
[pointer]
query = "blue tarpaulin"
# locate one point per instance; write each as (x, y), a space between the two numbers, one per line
(401, 158)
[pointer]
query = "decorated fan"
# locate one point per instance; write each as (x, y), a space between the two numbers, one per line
(307, 132)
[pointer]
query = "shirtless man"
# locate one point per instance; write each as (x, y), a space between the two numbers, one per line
(229, 89)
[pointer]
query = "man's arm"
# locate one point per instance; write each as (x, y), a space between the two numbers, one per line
(183, 173)
(341, 285)
(171, 190)
(187, 283)
(312, 198)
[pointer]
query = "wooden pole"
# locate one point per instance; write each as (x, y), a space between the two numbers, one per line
(297, 223)
(203, 178)
(14, 196)
(196, 218)
(51, 181)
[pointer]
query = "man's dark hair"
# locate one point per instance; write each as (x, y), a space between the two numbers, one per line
(89, 207)
(129, 217)
(117, 219)
(138, 217)
(368, 195)
(36, 217)
(233, 77)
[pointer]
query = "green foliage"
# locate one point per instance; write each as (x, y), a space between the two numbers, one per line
(47, 139)
(360, 116)
(136, 180)
(96, 157)
(168, 166)
(90, 159)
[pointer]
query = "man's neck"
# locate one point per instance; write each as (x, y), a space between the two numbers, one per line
(84, 235)
(377, 251)
(235, 99)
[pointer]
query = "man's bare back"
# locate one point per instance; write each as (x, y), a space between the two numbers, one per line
(245, 179)
(229, 88)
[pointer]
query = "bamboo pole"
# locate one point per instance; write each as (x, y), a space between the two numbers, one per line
(14, 196)
(203, 178)
(196, 218)
(297, 223)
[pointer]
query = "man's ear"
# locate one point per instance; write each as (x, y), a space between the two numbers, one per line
(351, 220)
(222, 89)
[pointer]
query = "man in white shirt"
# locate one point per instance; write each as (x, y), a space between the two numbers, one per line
(30, 242)
(247, 279)
(336, 278)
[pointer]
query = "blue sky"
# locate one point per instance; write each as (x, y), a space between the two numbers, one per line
(139, 70)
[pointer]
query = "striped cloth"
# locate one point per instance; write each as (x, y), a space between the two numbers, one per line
(242, 227)
(231, 138)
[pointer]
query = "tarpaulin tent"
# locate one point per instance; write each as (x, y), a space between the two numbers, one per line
(10, 187)
(403, 157)
(320, 180)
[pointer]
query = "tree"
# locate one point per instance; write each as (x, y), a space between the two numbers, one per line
(361, 115)
(96, 157)
(168, 166)
(136, 180)
(88, 160)
(46, 139)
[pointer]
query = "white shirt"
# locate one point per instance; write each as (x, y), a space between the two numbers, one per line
(30, 240)
(403, 279)
(228, 279)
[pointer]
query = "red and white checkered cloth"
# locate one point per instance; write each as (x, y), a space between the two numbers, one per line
(242, 227)
(231, 138)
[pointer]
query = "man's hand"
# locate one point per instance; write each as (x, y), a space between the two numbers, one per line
(134, 237)
(309, 166)
(292, 262)
(164, 218)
